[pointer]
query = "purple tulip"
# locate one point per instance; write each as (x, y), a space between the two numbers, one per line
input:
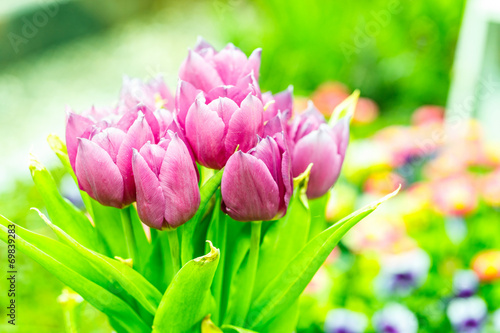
(314, 141)
(100, 147)
(205, 68)
(215, 129)
(153, 94)
(257, 185)
(167, 183)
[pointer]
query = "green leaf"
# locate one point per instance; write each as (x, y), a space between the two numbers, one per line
(62, 261)
(237, 245)
(286, 288)
(58, 147)
(119, 274)
(188, 299)
(61, 211)
(284, 236)
(189, 228)
(141, 241)
(232, 329)
(108, 223)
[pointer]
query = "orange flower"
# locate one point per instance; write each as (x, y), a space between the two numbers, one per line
(486, 264)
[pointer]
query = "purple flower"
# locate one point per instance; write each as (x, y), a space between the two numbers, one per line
(167, 183)
(345, 321)
(465, 283)
(205, 68)
(402, 273)
(314, 141)
(100, 144)
(467, 315)
(215, 129)
(257, 185)
(395, 318)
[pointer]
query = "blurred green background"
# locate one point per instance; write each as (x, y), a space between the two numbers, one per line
(75, 52)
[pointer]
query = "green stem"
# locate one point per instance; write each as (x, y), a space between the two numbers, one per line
(129, 233)
(250, 271)
(173, 242)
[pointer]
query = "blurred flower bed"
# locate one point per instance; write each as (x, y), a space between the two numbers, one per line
(429, 260)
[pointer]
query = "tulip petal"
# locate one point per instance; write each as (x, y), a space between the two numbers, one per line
(202, 46)
(75, 128)
(253, 63)
(318, 148)
(153, 155)
(186, 95)
(110, 140)
(138, 134)
(205, 134)
(245, 125)
(230, 63)
(179, 182)
(199, 72)
(224, 107)
(98, 175)
(150, 199)
(249, 192)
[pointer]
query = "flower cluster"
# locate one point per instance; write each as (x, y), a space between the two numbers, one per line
(148, 147)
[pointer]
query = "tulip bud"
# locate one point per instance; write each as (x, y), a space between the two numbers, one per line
(257, 185)
(395, 318)
(314, 141)
(103, 162)
(216, 129)
(187, 93)
(166, 182)
(205, 68)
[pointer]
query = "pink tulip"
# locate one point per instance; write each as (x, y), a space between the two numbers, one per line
(103, 161)
(314, 141)
(166, 182)
(100, 147)
(205, 68)
(282, 101)
(153, 94)
(215, 129)
(257, 185)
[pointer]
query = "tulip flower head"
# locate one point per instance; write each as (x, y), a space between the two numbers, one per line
(166, 182)
(257, 185)
(345, 321)
(314, 141)
(205, 68)
(214, 130)
(103, 157)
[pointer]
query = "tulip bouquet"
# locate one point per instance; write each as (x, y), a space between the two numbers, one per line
(203, 211)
